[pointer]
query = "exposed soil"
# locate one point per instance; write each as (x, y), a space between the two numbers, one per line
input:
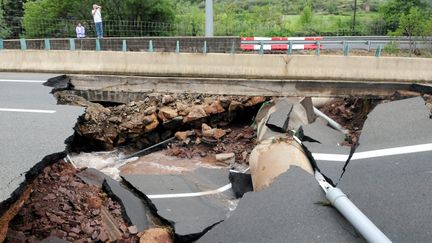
(62, 205)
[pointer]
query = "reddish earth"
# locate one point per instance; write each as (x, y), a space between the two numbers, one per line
(62, 205)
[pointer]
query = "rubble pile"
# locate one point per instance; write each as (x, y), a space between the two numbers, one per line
(220, 146)
(63, 206)
(158, 117)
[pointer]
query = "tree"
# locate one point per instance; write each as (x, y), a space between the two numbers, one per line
(4, 30)
(13, 12)
(412, 24)
(306, 17)
(393, 10)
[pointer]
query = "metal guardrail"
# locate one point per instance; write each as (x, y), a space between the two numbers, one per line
(346, 44)
(220, 44)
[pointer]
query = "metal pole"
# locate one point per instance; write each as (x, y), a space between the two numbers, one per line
(209, 18)
(360, 222)
(354, 18)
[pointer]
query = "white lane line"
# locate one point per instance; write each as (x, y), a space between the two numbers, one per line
(27, 110)
(374, 153)
(192, 194)
(21, 81)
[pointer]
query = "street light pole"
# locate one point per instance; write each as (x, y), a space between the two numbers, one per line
(354, 18)
(209, 18)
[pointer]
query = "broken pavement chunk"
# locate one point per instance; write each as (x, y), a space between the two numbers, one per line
(292, 205)
(193, 200)
(278, 120)
(397, 183)
(134, 207)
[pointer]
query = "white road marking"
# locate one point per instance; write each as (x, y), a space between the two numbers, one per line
(21, 81)
(27, 110)
(374, 153)
(192, 194)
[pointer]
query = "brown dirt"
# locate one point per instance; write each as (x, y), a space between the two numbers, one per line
(239, 140)
(62, 205)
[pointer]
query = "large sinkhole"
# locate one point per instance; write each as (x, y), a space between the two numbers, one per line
(98, 192)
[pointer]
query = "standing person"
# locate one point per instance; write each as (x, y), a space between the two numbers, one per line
(97, 17)
(80, 31)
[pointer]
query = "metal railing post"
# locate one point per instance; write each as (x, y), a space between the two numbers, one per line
(177, 50)
(261, 51)
(233, 47)
(47, 44)
(290, 47)
(23, 44)
(369, 43)
(124, 45)
(72, 44)
(346, 50)
(318, 50)
(150, 49)
(98, 47)
(205, 47)
(378, 51)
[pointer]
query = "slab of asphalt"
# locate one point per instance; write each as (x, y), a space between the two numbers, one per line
(327, 141)
(290, 210)
(135, 209)
(394, 190)
(191, 214)
(28, 137)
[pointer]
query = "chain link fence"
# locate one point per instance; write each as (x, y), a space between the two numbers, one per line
(124, 28)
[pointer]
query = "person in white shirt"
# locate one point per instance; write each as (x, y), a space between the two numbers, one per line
(80, 31)
(97, 17)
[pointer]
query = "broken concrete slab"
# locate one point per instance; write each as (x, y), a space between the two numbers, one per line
(193, 201)
(290, 210)
(278, 120)
(395, 124)
(393, 188)
(135, 209)
(323, 140)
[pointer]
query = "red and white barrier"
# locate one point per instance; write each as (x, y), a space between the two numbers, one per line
(279, 47)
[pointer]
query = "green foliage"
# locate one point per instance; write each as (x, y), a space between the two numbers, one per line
(392, 48)
(12, 14)
(411, 24)
(394, 9)
(45, 18)
(4, 30)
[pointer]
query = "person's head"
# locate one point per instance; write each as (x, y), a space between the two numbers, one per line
(95, 6)
(79, 24)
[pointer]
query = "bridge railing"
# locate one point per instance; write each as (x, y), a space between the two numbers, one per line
(262, 45)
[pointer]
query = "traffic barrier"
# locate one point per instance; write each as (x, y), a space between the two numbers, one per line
(264, 45)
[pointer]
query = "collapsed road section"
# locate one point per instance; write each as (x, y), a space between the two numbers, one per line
(215, 168)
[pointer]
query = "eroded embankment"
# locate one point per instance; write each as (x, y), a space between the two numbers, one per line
(62, 205)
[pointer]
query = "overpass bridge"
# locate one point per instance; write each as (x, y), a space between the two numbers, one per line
(103, 73)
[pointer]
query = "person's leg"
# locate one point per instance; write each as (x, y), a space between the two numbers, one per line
(101, 30)
(98, 28)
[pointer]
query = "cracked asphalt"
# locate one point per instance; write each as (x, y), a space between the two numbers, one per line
(32, 126)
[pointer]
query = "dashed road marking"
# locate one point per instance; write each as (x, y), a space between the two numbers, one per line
(191, 194)
(27, 110)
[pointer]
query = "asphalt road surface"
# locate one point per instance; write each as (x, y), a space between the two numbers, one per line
(32, 126)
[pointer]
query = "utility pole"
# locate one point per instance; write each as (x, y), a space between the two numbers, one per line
(209, 18)
(354, 18)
